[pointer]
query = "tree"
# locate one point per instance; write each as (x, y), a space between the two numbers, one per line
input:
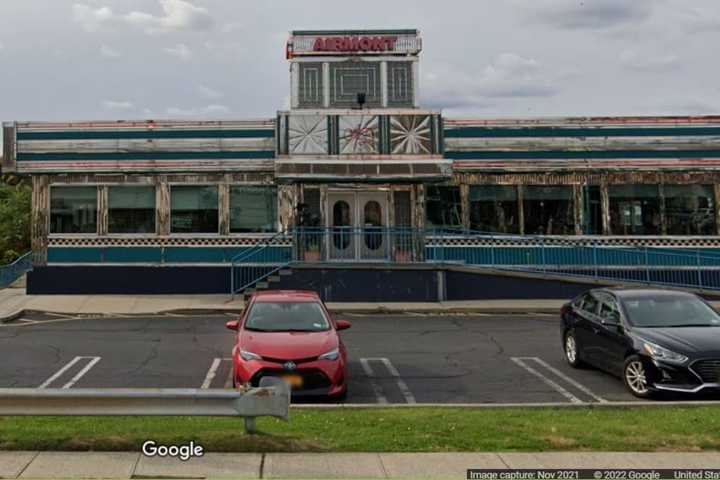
(15, 212)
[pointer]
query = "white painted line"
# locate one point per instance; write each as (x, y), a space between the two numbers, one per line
(571, 381)
(68, 366)
(82, 372)
(211, 373)
(409, 397)
(371, 374)
(549, 382)
(60, 372)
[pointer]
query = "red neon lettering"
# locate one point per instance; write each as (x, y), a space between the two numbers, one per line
(319, 44)
(377, 44)
(390, 42)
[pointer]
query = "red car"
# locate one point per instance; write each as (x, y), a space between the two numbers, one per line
(291, 335)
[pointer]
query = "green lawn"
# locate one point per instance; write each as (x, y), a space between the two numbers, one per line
(388, 430)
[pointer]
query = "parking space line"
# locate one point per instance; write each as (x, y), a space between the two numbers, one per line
(212, 372)
(68, 366)
(571, 381)
(229, 379)
(82, 372)
(409, 397)
(554, 385)
(371, 375)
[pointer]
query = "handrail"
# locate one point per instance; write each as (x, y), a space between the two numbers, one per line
(255, 265)
(11, 272)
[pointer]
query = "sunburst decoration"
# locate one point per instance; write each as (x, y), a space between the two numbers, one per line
(358, 134)
(410, 134)
(308, 134)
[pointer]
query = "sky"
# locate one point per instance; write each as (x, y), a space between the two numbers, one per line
(224, 59)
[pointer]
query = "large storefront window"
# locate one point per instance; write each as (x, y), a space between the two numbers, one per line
(443, 207)
(494, 208)
(253, 209)
(131, 209)
(690, 209)
(194, 209)
(548, 210)
(73, 209)
(635, 210)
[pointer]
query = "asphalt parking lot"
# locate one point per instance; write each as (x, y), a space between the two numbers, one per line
(393, 358)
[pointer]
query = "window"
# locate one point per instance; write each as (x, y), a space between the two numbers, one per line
(253, 209)
(443, 207)
(494, 208)
(634, 209)
(287, 317)
(589, 303)
(73, 209)
(609, 311)
(194, 209)
(131, 209)
(403, 209)
(690, 209)
(548, 210)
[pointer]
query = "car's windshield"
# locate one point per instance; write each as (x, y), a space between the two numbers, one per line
(287, 317)
(670, 311)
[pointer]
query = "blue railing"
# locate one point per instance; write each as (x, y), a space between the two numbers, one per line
(10, 273)
(261, 261)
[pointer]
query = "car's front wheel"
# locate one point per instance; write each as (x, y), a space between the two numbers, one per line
(635, 377)
(572, 353)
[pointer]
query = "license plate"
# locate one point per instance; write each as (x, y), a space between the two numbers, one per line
(295, 381)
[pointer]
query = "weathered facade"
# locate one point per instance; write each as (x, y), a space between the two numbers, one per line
(357, 150)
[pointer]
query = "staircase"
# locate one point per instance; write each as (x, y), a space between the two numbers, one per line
(9, 274)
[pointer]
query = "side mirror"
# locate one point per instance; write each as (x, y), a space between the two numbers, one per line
(233, 325)
(342, 324)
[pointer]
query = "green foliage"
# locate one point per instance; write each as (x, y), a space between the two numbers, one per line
(15, 211)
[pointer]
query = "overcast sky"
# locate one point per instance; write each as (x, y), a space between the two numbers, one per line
(129, 59)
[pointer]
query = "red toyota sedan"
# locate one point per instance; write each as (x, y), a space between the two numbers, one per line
(290, 335)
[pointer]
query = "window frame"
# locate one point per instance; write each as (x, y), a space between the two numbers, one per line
(195, 234)
(132, 185)
(278, 223)
(48, 224)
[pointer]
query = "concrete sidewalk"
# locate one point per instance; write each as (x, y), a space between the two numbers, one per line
(14, 302)
(129, 465)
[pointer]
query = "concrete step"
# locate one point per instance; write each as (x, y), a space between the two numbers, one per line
(261, 285)
(274, 279)
(285, 272)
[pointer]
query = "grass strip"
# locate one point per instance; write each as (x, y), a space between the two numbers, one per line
(391, 430)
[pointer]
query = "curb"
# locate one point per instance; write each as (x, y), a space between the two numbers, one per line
(357, 311)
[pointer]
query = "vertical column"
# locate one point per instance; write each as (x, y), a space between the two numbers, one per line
(605, 206)
(716, 191)
(419, 207)
(465, 205)
(326, 84)
(324, 214)
(224, 198)
(416, 83)
(287, 202)
(521, 209)
(162, 198)
(102, 227)
(40, 218)
(294, 85)
(578, 202)
(663, 217)
(384, 83)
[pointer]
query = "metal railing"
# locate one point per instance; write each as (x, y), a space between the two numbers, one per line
(261, 261)
(271, 399)
(10, 273)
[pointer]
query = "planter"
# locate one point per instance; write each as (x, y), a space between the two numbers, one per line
(312, 256)
(402, 256)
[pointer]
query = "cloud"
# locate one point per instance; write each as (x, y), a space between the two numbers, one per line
(649, 63)
(699, 20)
(109, 52)
(509, 76)
(180, 51)
(177, 15)
(179, 112)
(590, 14)
(118, 105)
(209, 93)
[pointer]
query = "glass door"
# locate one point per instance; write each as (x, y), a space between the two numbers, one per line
(373, 217)
(342, 220)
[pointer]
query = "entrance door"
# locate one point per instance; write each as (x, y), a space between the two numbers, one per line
(342, 219)
(358, 221)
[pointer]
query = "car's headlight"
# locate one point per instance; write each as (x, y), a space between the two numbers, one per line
(247, 356)
(331, 355)
(659, 353)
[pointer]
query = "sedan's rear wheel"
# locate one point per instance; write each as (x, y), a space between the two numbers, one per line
(571, 350)
(635, 377)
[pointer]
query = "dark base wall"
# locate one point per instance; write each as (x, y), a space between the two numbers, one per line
(333, 284)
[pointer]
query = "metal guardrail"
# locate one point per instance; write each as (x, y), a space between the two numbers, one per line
(271, 399)
(261, 261)
(10, 273)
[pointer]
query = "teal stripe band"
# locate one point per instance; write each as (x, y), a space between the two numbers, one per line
(90, 157)
(144, 134)
(501, 132)
(567, 155)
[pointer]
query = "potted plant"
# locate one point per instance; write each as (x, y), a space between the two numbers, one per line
(402, 256)
(312, 251)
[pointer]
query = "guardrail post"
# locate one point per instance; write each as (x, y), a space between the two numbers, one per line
(250, 426)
